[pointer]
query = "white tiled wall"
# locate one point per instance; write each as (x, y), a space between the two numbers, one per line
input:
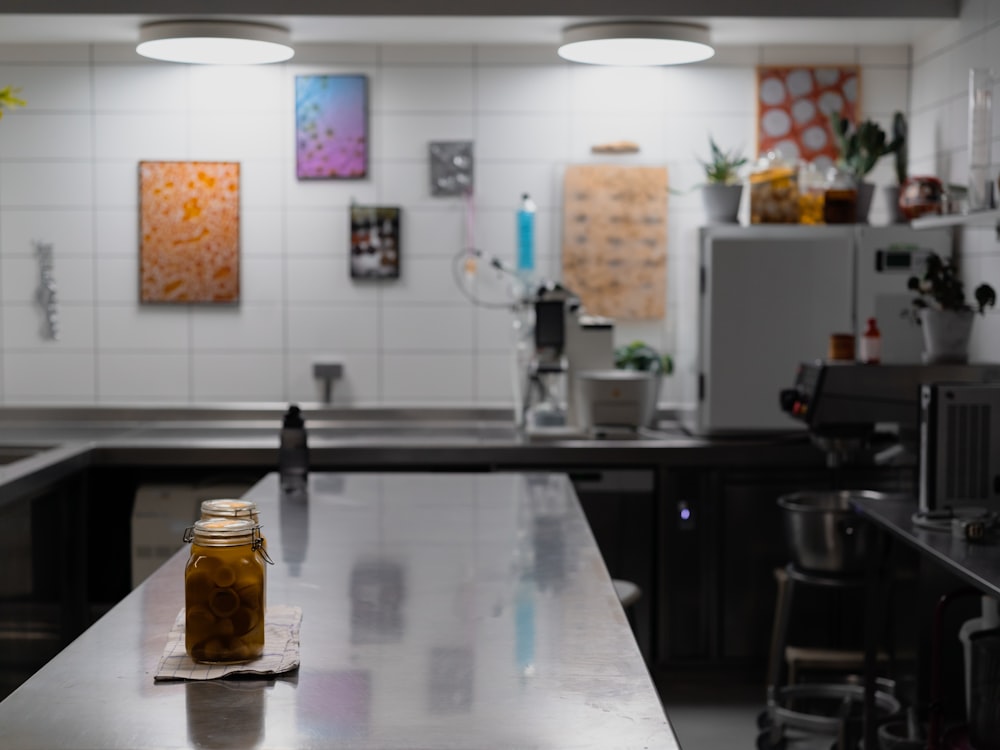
(939, 134)
(68, 176)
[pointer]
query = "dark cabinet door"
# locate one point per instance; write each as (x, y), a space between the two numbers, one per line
(620, 506)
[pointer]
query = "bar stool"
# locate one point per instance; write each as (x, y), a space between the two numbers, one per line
(779, 713)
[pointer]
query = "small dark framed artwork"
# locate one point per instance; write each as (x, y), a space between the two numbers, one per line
(375, 242)
(331, 127)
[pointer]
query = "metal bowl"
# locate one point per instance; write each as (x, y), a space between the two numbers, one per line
(625, 398)
(825, 534)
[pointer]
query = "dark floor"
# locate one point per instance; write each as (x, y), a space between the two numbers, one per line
(720, 713)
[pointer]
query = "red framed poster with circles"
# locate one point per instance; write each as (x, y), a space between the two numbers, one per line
(794, 105)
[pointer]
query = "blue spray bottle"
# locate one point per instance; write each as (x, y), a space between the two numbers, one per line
(526, 236)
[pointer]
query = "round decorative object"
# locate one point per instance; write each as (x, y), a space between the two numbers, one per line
(921, 195)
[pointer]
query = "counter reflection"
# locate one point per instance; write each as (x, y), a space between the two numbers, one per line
(226, 713)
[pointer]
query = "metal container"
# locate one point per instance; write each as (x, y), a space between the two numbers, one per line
(619, 398)
(825, 534)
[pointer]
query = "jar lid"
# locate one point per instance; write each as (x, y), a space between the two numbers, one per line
(228, 508)
(220, 532)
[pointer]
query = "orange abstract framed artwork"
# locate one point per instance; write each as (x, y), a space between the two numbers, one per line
(794, 106)
(189, 229)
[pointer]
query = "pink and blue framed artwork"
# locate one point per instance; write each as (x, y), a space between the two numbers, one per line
(331, 127)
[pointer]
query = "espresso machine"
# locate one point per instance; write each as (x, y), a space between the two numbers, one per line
(557, 343)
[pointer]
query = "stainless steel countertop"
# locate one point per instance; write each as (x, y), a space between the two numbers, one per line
(439, 611)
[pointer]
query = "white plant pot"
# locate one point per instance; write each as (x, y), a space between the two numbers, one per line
(722, 203)
(946, 335)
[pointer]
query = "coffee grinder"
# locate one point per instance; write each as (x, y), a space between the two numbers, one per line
(564, 341)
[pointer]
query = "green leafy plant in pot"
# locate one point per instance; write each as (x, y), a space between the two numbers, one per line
(722, 190)
(942, 310)
(641, 357)
(860, 146)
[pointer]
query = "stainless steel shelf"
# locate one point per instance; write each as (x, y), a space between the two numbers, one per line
(989, 218)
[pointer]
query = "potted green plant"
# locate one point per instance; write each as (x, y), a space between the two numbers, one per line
(641, 357)
(859, 147)
(722, 190)
(942, 310)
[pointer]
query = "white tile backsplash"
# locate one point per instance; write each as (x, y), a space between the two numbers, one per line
(154, 136)
(358, 386)
(429, 232)
(333, 327)
(124, 377)
(646, 130)
(416, 88)
(426, 280)
(157, 87)
(407, 136)
(427, 329)
(118, 281)
(431, 378)
(523, 88)
(885, 91)
(46, 136)
(116, 185)
(48, 376)
(232, 136)
(143, 329)
(236, 89)
(68, 175)
(715, 90)
(261, 232)
(495, 379)
(262, 280)
(500, 183)
(249, 327)
(49, 87)
(523, 136)
(889, 54)
(24, 328)
(317, 231)
(328, 279)
(69, 232)
(46, 184)
(228, 376)
(73, 277)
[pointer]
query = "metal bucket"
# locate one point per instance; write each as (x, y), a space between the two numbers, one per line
(825, 534)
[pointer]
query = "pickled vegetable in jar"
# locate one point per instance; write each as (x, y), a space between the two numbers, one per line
(224, 584)
(774, 191)
(812, 189)
(841, 198)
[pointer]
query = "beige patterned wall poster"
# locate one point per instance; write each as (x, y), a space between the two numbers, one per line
(615, 239)
(189, 231)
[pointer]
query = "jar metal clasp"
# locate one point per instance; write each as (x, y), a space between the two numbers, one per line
(258, 545)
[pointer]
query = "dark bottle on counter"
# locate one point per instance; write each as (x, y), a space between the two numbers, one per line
(293, 451)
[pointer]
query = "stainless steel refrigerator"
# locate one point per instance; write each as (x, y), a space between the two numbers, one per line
(771, 296)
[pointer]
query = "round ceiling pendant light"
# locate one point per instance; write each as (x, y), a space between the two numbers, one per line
(635, 43)
(215, 42)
